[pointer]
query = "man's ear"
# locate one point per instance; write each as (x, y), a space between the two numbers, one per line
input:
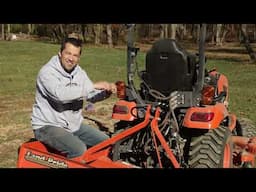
(59, 54)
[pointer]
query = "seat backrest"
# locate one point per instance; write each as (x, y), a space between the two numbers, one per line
(169, 67)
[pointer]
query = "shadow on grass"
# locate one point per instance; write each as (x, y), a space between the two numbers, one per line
(229, 59)
(241, 50)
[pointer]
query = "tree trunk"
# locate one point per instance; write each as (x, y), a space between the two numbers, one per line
(3, 36)
(166, 31)
(97, 31)
(225, 32)
(213, 34)
(173, 31)
(8, 28)
(62, 31)
(184, 30)
(196, 31)
(247, 43)
(109, 36)
(161, 31)
(83, 26)
(150, 30)
(218, 33)
(8, 35)
(181, 31)
(30, 29)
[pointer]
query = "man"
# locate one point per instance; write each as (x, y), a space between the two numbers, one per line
(61, 87)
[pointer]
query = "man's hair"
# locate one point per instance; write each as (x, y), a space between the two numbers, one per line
(74, 41)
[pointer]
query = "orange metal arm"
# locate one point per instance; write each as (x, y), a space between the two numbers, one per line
(89, 154)
(154, 126)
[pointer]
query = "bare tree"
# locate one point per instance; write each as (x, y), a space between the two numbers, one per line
(218, 35)
(3, 36)
(83, 31)
(195, 32)
(8, 29)
(224, 33)
(109, 35)
(31, 28)
(173, 31)
(97, 32)
(221, 32)
(246, 42)
(164, 31)
(150, 30)
(181, 31)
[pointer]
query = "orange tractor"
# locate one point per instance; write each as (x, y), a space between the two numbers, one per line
(176, 118)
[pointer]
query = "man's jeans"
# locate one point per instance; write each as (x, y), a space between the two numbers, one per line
(73, 144)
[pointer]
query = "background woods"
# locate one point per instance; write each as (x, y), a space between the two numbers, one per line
(115, 34)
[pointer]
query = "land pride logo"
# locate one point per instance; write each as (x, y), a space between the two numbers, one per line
(44, 160)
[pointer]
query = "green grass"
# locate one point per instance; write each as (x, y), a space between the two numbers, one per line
(20, 62)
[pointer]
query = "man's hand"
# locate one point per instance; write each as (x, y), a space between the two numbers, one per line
(111, 87)
(251, 146)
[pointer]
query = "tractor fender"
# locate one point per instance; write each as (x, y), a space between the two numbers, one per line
(208, 117)
(232, 122)
(222, 84)
(124, 110)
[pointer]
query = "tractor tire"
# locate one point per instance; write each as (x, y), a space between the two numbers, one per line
(247, 126)
(238, 129)
(212, 149)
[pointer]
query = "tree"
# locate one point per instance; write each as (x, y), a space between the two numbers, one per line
(173, 31)
(97, 32)
(218, 35)
(31, 28)
(3, 36)
(163, 31)
(246, 43)
(109, 35)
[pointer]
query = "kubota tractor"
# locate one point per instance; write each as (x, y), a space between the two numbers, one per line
(189, 122)
(177, 117)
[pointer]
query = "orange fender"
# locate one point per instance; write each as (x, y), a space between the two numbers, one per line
(216, 112)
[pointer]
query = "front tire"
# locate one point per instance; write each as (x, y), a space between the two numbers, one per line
(247, 127)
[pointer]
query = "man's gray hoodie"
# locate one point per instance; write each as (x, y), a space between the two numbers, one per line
(59, 96)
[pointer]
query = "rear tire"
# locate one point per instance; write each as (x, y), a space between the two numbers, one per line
(212, 149)
(238, 131)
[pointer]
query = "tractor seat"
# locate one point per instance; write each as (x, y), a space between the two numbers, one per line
(169, 67)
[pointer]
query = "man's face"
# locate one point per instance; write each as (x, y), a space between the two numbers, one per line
(69, 57)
